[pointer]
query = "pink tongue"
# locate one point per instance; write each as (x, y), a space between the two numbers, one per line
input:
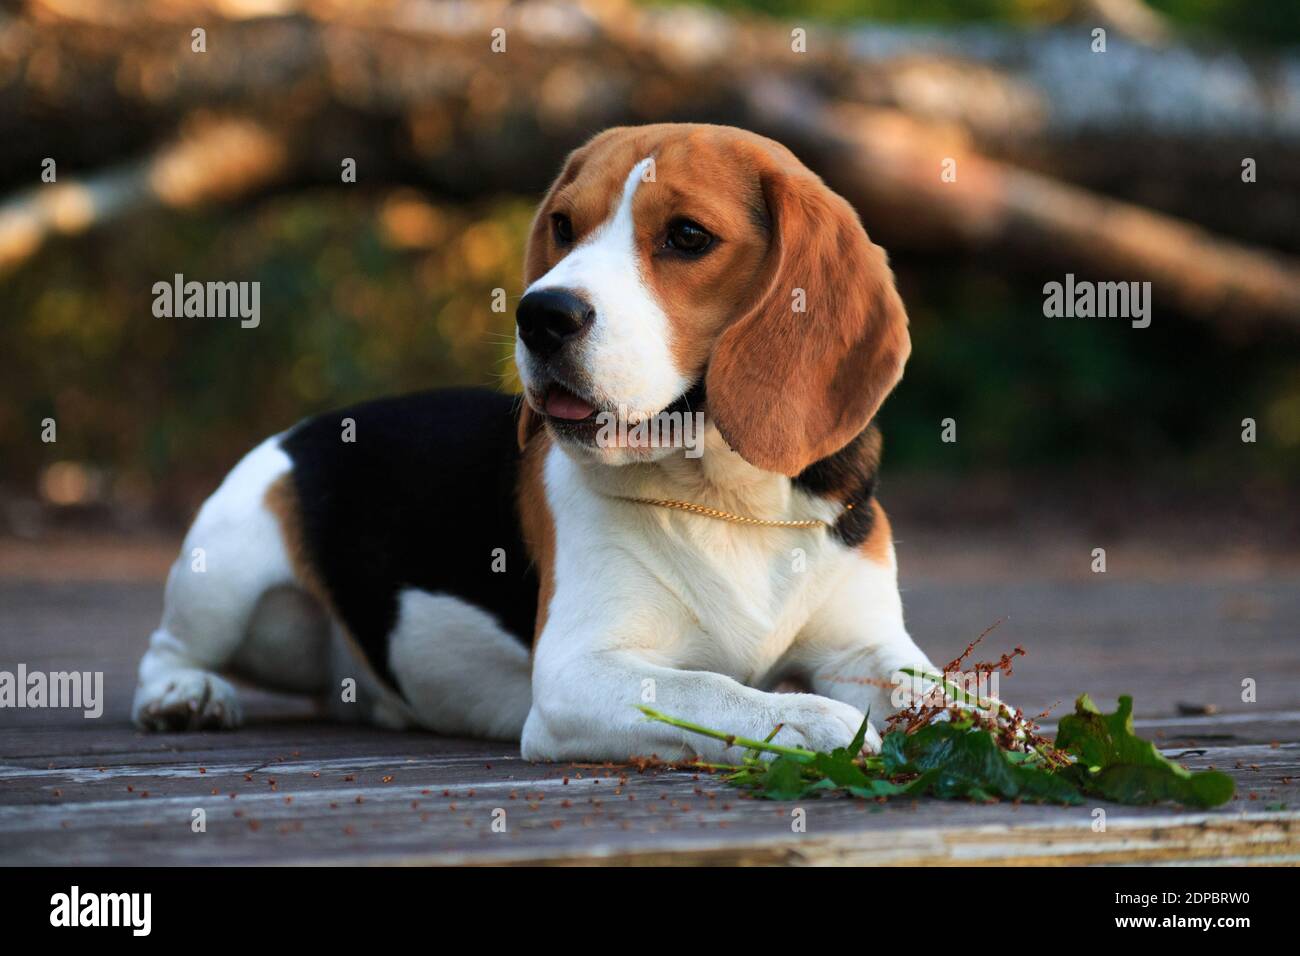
(566, 405)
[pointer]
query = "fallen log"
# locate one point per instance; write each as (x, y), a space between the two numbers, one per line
(890, 169)
(414, 93)
(1167, 125)
(212, 162)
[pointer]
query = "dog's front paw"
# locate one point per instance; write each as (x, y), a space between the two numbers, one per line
(186, 700)
(819, 723)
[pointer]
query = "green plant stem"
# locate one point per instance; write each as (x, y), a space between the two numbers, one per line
(728, 767)
(731, 739)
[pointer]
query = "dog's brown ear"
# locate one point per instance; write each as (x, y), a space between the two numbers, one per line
(801, 373)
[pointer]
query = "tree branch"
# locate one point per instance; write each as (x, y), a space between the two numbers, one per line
(213, 161)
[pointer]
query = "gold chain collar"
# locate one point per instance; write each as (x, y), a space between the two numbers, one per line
(724, 515)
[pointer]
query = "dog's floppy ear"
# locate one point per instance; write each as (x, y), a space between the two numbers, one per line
(801, 373)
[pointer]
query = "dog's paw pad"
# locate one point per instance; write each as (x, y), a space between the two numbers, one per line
(192, 700)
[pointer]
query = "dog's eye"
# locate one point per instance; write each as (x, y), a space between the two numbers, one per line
(562, 226)
(689, 237)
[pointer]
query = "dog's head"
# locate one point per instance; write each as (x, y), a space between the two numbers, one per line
(673, 261)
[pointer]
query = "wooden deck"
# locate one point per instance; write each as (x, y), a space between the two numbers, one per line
(292, 789)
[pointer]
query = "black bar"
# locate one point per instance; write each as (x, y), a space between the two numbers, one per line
(232, 906)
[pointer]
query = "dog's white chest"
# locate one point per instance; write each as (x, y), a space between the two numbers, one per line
(749, 589)
(734, 596)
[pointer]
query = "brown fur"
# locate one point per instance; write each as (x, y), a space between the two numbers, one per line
(879, 543)
(788, 388)
(529, 423)
(537, 523)
(281, 499)
(785, 388)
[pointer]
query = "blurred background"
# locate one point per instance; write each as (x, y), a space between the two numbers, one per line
(227, 165)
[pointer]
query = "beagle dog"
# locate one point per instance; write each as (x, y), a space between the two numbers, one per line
(473, 564)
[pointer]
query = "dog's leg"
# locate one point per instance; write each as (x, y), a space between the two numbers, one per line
(595, 664)
(855, 645)
(232, 556)
(460, 672)
(589, 712)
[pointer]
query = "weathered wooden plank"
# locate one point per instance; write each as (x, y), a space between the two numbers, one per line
(425, 807)
(78, 791)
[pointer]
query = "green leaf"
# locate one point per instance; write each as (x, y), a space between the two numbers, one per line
(964, 762)
(783, 779)
(1114, 763)
(855, 745)
(838, 767)
(876, 788)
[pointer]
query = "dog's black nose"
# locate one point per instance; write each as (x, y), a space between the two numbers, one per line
(548, 318)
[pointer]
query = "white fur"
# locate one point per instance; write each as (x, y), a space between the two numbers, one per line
(865, 603)
(462, 673)
(231, 557)
(627, 353)
(700, 618)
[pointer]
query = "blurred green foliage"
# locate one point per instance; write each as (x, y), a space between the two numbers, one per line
(360, 296)
(372, 294)
(1090, 395)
